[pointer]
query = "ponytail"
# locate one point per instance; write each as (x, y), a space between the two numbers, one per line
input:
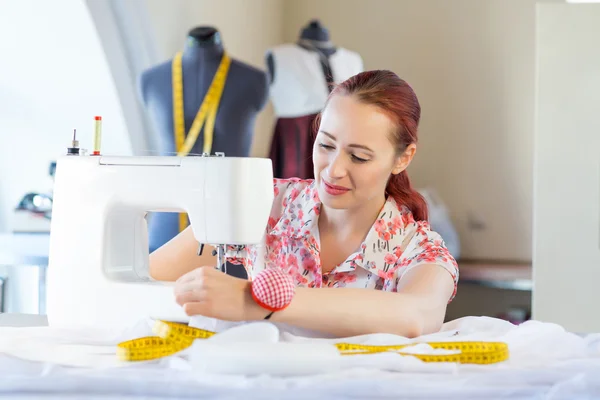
(400, 189)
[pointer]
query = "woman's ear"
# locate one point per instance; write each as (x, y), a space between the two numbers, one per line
(404, 160)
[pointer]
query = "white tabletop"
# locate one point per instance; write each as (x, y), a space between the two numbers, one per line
(24, 248)
(22, 320)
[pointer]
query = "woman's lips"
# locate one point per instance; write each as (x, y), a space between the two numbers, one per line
(334, 190)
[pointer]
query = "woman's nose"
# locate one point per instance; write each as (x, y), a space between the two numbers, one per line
(337, 167)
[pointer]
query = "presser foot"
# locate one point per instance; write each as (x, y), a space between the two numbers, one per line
(221, 261)
(220, 253)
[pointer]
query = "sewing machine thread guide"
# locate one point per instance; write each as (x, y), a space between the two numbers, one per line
(74, 149)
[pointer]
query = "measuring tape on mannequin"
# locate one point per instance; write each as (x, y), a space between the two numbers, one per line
(206, 113)
(173, 337)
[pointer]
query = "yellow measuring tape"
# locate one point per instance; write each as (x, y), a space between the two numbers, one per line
(206, 113)
(173, 337)
(466, 352)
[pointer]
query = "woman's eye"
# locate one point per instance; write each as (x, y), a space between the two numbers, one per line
(354, 158)
(358, 159)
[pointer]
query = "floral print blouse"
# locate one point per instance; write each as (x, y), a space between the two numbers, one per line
(395, 244)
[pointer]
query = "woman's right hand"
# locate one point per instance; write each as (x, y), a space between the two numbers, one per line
(212, 293)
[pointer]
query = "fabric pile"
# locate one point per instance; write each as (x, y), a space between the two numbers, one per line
(264, 360)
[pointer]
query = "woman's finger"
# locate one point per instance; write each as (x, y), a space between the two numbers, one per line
(195, 274)
(198, 308)
(191, 296)
(195, 285)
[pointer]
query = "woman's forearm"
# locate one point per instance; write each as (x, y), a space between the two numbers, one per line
(417, 308)
(179, 256)
(346, 312)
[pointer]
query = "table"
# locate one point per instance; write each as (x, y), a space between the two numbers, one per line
(22, 320)
(500, 275)
(24, 248)
(23, 262)
(493, 288)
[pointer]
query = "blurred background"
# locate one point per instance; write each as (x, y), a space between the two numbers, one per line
(471, 62)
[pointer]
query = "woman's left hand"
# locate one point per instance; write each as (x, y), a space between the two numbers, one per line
(210, 292)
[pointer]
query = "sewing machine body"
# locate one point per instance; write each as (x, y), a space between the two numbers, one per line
(98, 260)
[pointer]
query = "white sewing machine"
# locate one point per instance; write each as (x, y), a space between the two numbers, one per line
(98, 260)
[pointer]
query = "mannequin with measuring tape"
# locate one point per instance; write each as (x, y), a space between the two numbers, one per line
(201, 101)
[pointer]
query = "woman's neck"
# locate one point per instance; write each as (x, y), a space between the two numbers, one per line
(349, 223)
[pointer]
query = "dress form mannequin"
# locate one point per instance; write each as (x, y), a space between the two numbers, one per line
(300, 76)
(315, 35)
(245, 94)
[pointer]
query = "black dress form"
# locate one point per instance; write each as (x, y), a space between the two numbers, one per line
(245, 94)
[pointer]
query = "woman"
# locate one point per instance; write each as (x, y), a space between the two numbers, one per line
(358, 225)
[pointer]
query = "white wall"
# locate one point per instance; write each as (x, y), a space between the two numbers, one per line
(248, 29)
(471, 63)
(53, 78)
(567, 164)
(56, 77)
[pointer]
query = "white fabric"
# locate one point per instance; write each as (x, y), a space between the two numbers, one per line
(545, 362)
(299, 87)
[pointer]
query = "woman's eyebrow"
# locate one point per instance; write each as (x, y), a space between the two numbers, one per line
(358, 146)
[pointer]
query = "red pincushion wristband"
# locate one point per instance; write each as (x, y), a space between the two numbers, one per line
(273, 290)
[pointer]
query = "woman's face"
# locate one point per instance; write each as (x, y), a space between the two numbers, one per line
(353, 155)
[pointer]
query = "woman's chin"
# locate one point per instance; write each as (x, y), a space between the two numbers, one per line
(336, 202)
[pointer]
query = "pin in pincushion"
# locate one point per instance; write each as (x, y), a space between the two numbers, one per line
(273, 289)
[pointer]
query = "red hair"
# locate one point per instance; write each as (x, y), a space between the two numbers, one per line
(385, 90)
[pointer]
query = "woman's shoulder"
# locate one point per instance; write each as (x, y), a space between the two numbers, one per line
(413, 238)
(289, 189)
(295, 182)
